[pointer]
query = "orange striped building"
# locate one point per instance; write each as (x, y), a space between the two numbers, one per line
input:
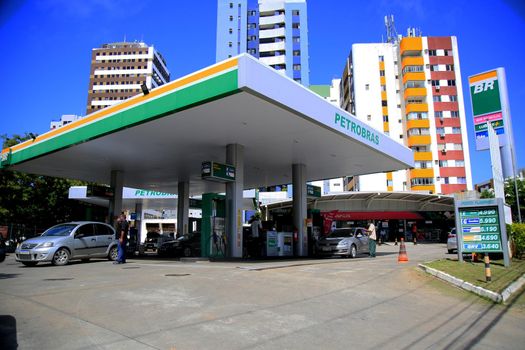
(411, 89)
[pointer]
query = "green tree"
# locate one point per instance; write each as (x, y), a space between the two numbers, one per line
(35, 200)
(510, 197)
(487, 194)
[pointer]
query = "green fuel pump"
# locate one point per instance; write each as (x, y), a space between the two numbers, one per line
(213, 235)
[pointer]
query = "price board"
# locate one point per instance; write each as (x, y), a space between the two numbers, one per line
(214, 171)
(480, 229)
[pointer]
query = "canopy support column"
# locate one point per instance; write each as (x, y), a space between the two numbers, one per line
(299, 207)
(234, 191)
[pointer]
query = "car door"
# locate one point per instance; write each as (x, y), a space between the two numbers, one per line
(104, 237)
(84, 241)
(362, 240)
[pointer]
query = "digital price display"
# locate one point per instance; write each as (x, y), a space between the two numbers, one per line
(480, 229)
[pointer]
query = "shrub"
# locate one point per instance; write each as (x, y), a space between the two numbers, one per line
(518, 237)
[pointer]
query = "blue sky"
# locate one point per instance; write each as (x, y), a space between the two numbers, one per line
(46, 47)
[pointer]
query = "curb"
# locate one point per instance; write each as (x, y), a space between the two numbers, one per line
(495, 297)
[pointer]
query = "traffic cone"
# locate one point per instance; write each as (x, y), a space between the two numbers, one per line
(402, 258)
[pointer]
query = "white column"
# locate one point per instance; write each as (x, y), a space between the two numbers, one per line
(115, 204)
(235, 157)
(299, 207)
(183, 207)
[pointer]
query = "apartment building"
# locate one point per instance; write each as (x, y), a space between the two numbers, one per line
(64, 120)
(118, 71)
(274, 31)
(411, 89)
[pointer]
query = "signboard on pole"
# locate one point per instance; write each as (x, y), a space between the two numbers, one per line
(495, 159)
(480, 227)
(490, 106)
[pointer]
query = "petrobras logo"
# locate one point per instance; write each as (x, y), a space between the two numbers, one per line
(483, 86)
(343, 122)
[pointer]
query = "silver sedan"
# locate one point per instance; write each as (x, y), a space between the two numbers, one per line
(348, 242)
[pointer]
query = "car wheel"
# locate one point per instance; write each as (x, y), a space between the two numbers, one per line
(113, 253)
(61, 257)
(187, 252)
(29, 263)
(353, 252)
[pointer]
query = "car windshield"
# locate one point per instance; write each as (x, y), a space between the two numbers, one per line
(60, 230)
(342, 232)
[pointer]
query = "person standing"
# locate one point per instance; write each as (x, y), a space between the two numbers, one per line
(414, 233)
(122, 236)
(372, 237)
(256, 227)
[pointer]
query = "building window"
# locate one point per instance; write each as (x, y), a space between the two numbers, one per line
(296, 39)
(456, 130)
(460, 163)
(385, 118)
(296, 26)
(451, 82)
(453, 98)
(381, 73)
(230, 31)
(298, 80)
(367, 87)
(296, 67)
(295, 12)
(449, 67)
(437, 98)
(435, 82)
(230, 44)
(369, 117)
(381, 58)
(434, 68)
(231, 18)
(454, 114)
(462, 180)
(438, 114)
(297, 52)
(432, 53)
(231, 5)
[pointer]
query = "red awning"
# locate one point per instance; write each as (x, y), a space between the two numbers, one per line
(373, 215)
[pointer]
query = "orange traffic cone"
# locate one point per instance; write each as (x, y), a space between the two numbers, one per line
(402, 258)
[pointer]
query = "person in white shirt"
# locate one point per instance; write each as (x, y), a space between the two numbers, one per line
(372, 237)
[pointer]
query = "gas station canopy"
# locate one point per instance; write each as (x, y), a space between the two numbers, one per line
(161, 138)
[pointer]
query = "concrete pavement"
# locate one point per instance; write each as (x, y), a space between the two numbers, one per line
(329, 304)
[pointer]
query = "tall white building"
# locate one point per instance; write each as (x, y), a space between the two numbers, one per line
(274, 31)
(118, 71)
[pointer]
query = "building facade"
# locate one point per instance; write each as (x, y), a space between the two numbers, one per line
(274, 31)
(118, 70)
(64, 120)
(411, 90)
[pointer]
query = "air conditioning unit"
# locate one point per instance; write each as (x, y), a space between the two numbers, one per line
(442, 136)
(444, 151)
(437, 88)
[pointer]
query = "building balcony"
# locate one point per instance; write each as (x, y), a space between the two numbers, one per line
(415, 92)
(428, 172)
(381, 65)
(412, 61)
(416, 107)
(419, 140)
(417, 76)
(418, 123)
(386, 126)
(271, 33)
(280, 46)
(424, 188)
(383, 95)
(270, 20)
(385, 110)
(273, 60)
(422, 156)
(411, 44)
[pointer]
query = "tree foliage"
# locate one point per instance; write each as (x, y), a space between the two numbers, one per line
(510, 197)
(35, 200)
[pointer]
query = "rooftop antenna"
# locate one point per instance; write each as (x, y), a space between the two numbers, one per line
(391, 33)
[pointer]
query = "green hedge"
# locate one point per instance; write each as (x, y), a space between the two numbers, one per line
(517, 234)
